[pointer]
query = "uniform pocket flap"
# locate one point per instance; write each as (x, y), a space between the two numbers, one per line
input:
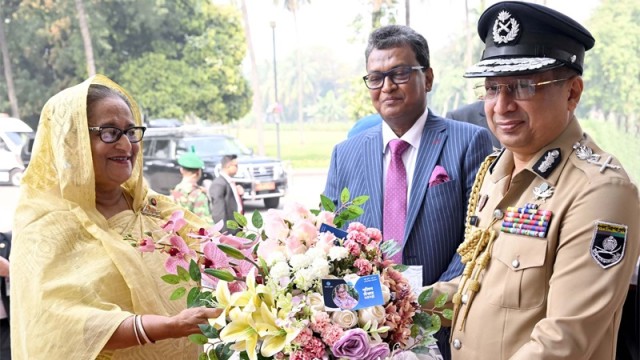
(520, 252)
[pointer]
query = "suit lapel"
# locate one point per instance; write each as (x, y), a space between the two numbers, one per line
(372, 172)
(431, 144)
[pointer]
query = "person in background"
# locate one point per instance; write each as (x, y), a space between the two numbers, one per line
(187, 192)
(552, 230)
(226, 195)
(417, 168)
(474, 114)
(5, 337)
(79, 289)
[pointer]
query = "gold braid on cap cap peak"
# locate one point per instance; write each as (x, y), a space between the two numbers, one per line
(476, 240)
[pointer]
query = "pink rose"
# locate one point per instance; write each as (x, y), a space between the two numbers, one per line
(295, 212)
(305, 231)
(294, 246)
(325, 217)
(274, 225)
(269, 249)
(354, 344)
(326, 241)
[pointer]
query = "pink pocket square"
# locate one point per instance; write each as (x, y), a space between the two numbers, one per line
(438, 176)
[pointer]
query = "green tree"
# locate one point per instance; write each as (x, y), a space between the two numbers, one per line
(612, 69)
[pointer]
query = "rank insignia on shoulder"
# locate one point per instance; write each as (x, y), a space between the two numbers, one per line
(608, 243)
(545, 165)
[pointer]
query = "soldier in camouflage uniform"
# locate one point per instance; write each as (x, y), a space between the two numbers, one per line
(188, 193)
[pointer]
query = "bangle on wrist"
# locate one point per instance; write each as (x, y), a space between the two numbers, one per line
(146, 337)
(135, 329)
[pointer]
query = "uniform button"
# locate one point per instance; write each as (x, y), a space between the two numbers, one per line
(515, 263)
(498, 214)
(2, 245)
(465, 299)
(457, 344)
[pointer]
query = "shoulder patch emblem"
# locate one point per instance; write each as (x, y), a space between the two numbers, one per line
(608, 243)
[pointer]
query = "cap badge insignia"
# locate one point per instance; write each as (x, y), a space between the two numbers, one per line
(543, 191)
(608, 243)
(584, 152)
(507, 25)
(547, 163)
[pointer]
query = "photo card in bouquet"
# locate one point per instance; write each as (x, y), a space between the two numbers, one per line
(362, 292)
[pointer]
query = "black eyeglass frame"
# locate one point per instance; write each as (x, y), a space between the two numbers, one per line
(404, 70)
(120, 132)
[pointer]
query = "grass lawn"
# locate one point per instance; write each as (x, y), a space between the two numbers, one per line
(311, 147)
(306, 148)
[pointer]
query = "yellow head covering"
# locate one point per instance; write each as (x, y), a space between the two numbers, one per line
(73, 277)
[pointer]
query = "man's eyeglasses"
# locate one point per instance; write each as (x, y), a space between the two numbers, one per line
(398, 75)
(520, 89)
(111, 134)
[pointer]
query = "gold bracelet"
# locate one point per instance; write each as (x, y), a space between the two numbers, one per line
(142, 331)
(135, 330)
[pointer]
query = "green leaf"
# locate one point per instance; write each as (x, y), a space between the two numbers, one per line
(231, 251)
(401, 267)
(232, 225)
(171, 279)
(256, 219)
(441, 300)
(194, 271)
(178, 293)
(355, 209)
(251, 237)
(183, 274)
(447, 314)
(360, 200)
(436, 323)
(209, 331)
(198, 339)
(240, 219)
(344, 196)
(425, 296)
(203, 356)
(327, 204)
(192, 297)
(221, 274)
(422, 319)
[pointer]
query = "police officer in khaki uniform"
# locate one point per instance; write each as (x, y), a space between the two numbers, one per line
(553, 221)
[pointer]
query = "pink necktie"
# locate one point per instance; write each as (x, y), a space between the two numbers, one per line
(394, 212)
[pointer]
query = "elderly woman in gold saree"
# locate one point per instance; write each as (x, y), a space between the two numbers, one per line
(78, 289)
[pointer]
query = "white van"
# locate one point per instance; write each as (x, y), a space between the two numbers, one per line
(15, 137)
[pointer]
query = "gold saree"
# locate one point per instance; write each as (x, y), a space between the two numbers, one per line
(73, 277)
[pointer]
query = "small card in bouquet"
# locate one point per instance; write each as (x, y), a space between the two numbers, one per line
(363, 292)
(340, 234)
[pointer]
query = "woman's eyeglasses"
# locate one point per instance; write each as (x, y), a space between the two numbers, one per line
(111, 134)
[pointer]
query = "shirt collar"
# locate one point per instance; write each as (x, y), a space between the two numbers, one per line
(412, 136)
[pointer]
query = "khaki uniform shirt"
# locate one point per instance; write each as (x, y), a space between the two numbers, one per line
(558, 296)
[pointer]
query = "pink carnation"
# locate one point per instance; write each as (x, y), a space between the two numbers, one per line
(364, 267)
(320, 322)
(332, 334)
(374, 234)
(352, 247)
(303, 337)
(359, 237)
(356, 226)
(315, 348)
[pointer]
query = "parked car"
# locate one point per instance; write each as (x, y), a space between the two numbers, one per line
(16, 139)
(261, 177)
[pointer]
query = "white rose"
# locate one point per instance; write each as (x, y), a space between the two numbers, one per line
(316, 302)
(375, 314)
(345, 318)
(338, 253)
(386, 294)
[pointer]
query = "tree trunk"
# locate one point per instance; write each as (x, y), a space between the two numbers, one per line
(8, 73)
(86, 38)
(258, 107)
(299, 82)
(407, 12)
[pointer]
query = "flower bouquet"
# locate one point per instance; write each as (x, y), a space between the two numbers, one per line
(271, 281)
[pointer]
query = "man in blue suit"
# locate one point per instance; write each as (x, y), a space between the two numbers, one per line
(399, 78)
